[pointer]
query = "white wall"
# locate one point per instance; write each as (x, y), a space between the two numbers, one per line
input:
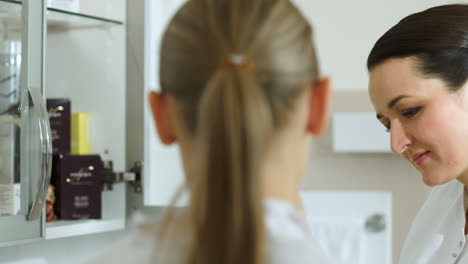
(345, 32)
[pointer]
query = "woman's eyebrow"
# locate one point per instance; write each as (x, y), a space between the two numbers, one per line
(395, 100)
(392, 103)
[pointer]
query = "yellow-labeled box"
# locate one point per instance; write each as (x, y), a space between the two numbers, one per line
(80, 133)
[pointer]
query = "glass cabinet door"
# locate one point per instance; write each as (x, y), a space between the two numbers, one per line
(25, 142)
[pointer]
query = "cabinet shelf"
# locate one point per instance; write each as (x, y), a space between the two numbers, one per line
(57, 19)
(62, 229)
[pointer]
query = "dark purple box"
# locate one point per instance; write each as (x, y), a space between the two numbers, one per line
(78, 185)
(59, 116)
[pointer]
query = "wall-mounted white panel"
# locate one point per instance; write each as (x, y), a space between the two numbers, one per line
(353, 227)
(359, 132)
(360, 232)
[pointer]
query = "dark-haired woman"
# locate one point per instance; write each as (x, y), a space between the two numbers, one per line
(418, 85)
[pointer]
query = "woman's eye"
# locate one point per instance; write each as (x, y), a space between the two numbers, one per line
(387, 126)
(411, 111)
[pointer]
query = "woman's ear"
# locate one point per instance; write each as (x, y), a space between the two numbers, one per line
(159, 104)
(319, 102)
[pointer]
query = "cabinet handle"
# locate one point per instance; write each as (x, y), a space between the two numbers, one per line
(46, 154)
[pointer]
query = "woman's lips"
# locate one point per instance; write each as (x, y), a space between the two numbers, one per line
(420, 157)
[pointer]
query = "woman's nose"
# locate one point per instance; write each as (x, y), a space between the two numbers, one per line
(399, 139)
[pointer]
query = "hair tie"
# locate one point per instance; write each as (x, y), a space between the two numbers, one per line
(238, 60)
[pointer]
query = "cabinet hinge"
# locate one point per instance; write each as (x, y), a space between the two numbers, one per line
(132, 176)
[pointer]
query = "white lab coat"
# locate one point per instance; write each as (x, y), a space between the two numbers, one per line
(289, 241)
(437, 233)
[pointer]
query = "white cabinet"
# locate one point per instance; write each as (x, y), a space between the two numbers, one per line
(75, 55)
(163, 174)
(162, 167)
(85, 62)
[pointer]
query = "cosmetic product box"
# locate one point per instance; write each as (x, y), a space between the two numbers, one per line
(59, 111)
(78, 186)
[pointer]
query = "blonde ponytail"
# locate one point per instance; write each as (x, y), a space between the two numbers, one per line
(231, 111)
(234, 124)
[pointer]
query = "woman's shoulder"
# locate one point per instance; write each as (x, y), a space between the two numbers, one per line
(452, 187)
(289, 239)
(440, 219)
(441, 198)
(442, 201)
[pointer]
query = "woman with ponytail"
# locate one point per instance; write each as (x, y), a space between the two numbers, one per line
(241, 96)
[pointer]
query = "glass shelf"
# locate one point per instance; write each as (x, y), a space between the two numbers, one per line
(57, 20)
(60, 19)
